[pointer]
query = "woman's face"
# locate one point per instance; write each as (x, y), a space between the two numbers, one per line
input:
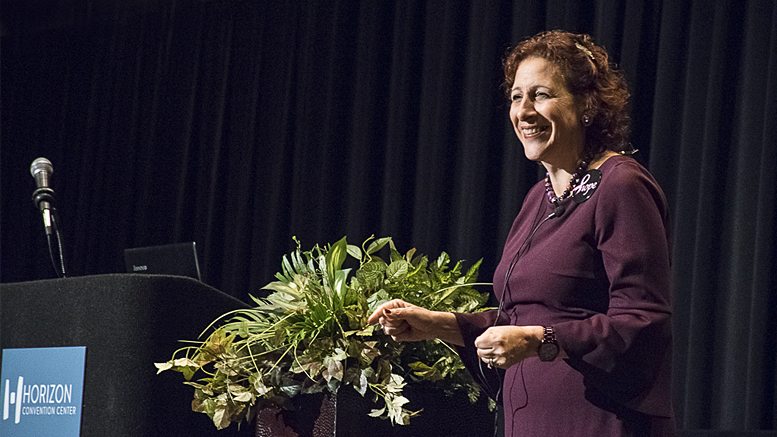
(545, 116)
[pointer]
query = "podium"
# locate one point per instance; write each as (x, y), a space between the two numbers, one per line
(127, 323)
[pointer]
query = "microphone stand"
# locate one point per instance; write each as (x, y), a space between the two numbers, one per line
(44, 199)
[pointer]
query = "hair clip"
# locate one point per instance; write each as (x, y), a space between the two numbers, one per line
(629, 149)
(585, 50)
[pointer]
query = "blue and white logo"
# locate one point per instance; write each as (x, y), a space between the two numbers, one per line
(42, 391)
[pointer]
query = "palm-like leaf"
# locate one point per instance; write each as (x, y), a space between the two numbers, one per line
(310, 333)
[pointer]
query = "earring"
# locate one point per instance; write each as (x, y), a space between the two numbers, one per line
(587, 120)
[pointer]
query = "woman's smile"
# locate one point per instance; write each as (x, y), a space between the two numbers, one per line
(532, 132)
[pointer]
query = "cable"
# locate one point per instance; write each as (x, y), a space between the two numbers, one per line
(60, 270)
(51, 254)
(514, 262)
(59, 245)
(505, 287)
(526, 398)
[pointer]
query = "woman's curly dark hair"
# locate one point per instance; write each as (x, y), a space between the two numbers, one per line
(590, 76)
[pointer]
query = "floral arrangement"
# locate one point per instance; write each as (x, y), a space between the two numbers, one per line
(311, 334)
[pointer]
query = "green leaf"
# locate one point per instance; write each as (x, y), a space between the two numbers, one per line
(334, 365)
(337, 254)
(371, 274)
(426, 372)
(442, 261)
(355, 251)
(377, 299)
(378, 245)
(299, 264)
(397, 270)
(377, 413)
(288, 270)
(367, 331)
(361, 383)
(340, 285)
(472, 273)
(220, 418)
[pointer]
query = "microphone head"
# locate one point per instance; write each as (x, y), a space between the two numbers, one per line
(41, 165)
(558, 210)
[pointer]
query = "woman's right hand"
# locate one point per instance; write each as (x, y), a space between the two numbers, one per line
(406, 322)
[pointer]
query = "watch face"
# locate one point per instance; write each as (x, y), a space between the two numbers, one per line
(548, 351)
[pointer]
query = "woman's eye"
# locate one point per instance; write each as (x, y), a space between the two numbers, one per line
(516, 97)
(541, 95)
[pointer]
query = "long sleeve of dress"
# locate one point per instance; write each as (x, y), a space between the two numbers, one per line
(623, 351)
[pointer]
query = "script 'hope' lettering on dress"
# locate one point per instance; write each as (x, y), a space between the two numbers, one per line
(585, 189)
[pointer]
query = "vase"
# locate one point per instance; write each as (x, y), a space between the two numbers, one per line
(346, 414)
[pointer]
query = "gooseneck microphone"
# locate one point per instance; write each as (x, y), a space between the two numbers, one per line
(43, 198)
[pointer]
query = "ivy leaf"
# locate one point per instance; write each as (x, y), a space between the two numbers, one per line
(161, 367)
(220, 418)
(354, 251)
(334, 365)
(290, 387)
(206, 405)
(426, 372)
(244, 397)
(396, 384)
(377, 299)
(260, 388)
(367, 331)
(396, 413)
(378, 245)
(183, 365)
(361, 383)
(377, 413)
(370, 351)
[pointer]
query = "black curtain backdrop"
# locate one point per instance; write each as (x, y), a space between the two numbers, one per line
(240, 124)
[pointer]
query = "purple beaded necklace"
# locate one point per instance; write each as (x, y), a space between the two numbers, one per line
(573, 181)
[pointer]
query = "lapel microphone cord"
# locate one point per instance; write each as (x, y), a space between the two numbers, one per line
(557, 212)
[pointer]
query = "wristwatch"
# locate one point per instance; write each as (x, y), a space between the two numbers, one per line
(548, 350)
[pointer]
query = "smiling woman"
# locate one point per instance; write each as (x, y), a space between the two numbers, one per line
(583, 327)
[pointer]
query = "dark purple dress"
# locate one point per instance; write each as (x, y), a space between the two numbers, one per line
(600, 275)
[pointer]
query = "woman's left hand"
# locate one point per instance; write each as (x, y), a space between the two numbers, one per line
(504, 346)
